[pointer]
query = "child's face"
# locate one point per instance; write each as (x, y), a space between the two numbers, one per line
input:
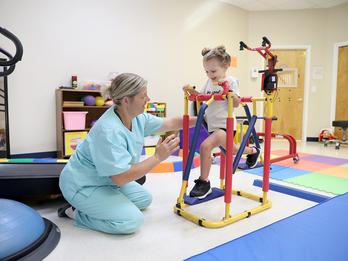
(214, 69)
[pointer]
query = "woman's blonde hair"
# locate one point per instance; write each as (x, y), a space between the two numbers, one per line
(125, 85)
(218, 53)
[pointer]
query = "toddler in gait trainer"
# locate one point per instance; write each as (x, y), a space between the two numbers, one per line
(216, 61)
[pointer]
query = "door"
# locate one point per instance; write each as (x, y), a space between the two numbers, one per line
(342, 88)
(288, 102)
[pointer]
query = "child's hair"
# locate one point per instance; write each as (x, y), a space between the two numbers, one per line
(218, 53)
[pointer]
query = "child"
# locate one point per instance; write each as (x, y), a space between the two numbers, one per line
(216, 61)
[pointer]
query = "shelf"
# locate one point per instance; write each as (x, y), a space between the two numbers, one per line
(86, 107)
(87, 129)
(67, 140)
(76, 90)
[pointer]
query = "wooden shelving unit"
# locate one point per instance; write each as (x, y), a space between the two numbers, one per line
(94, 112)
(158, 109)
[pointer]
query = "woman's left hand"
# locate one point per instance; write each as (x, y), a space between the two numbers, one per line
(167, 147)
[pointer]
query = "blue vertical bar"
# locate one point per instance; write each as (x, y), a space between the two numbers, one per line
(251, 128)
(199, 122)
(248, 114)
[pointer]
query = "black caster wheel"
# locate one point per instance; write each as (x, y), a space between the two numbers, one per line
(296, 159)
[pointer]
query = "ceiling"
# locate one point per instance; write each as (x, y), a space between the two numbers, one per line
(266, 5)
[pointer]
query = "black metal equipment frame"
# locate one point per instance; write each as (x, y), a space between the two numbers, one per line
(7, 66)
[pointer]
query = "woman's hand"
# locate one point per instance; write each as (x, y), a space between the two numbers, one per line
(167, 147)
(163, 150)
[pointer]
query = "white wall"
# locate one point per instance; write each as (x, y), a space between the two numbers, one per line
(160, 40)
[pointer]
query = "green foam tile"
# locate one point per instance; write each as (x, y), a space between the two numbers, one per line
(321, 182)
(21, 160)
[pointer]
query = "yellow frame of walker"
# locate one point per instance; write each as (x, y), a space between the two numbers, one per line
(180, 207)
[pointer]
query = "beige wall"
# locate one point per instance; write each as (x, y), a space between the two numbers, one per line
(338, 33)
(317, 28)
(160, 40)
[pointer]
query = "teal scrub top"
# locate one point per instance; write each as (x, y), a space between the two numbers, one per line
(109, 149)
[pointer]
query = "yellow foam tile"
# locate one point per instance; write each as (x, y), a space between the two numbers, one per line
(150, 151)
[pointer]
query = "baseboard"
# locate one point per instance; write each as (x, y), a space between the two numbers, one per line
(312, 139)
(47, 154)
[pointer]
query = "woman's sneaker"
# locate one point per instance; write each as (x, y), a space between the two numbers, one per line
(252, 159)
(201, 189)
(66, 211)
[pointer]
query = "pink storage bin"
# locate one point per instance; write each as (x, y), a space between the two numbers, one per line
(75, 120)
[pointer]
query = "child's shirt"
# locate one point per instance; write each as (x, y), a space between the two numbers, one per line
(217, 111)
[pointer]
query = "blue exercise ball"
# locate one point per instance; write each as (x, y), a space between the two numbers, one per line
(89, 100)
(20, 226)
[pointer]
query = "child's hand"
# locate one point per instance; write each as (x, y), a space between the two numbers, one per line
(188, 88)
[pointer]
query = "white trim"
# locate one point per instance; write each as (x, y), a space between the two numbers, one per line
(334, 80)
(306, 83)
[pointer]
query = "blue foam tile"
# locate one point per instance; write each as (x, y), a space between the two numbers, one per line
(216, 192)
(177, 166)
(319, 233)
(285, 173)
(244, 166)
(293, 191)
(259, 171)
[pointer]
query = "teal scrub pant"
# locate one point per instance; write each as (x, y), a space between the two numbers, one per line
(111, 209)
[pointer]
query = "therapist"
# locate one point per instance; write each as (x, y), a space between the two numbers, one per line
(99, 179)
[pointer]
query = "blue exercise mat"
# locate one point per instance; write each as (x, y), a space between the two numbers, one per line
(318, 233)
(279, 172)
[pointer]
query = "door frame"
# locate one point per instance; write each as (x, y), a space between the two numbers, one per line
(334, 80)
(306, 86)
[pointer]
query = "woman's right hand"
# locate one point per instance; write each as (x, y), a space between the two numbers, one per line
(167, 147)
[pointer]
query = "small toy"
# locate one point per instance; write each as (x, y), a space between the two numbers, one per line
(326, 134)
(74, 81)
(99, 101)
(89, 100)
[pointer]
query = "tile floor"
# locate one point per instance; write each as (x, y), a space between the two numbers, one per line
(166, 236)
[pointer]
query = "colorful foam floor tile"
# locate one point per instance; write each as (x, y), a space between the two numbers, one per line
(317, 233)
(279, 172)
(339, 172)
(304, 165)
(325, 159)
(319, 172)
(321, 182)
(259, 171)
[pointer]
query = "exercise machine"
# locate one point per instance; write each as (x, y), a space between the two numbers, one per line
(24, 234)
(228, 163)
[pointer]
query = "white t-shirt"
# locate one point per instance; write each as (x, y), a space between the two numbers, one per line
(217, 111)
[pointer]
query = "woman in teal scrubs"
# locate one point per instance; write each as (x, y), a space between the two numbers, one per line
(99, 179)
